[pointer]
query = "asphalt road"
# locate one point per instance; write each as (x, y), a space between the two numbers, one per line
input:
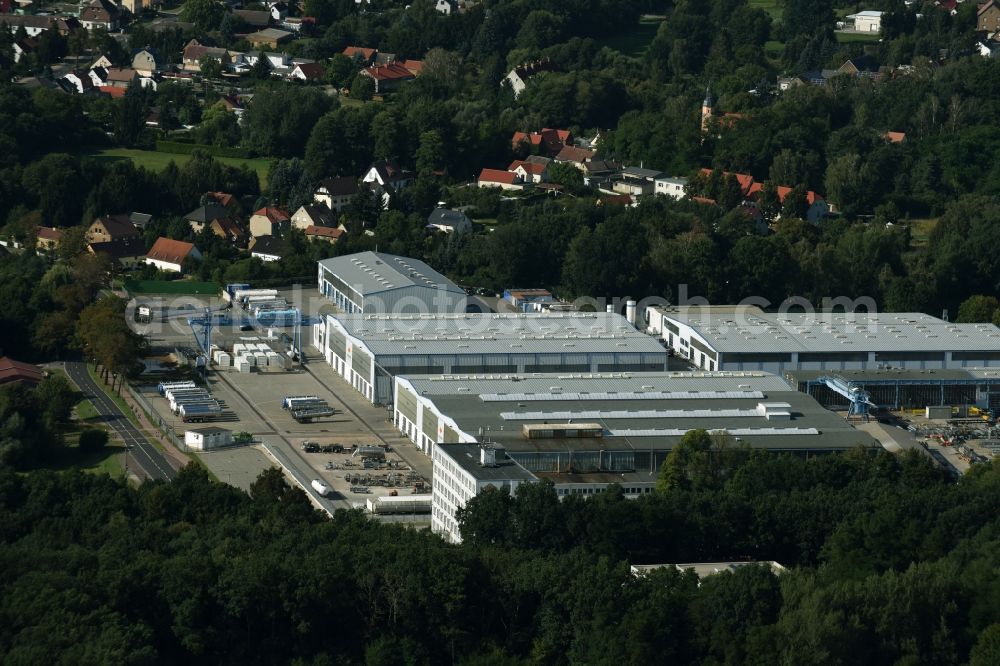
(141, 450)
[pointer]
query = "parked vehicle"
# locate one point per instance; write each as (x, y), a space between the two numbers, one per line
(321, 488)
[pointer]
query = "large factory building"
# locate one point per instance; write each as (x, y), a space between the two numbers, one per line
(370, 350)
(746, 338)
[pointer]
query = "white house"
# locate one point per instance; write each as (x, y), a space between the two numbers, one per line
(670, 186)
(446, 7)
(388, 173)
(867, 21)
(169, 255)
(203, 439)
(449, 221)
(336, 193)
(80, 81)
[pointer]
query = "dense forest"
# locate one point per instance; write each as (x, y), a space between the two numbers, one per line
(889, 562)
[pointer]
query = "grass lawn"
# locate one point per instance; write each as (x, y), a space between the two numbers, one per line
(156, 161)
(849, 37)
(634, 43)
(171, 287)
(920, 231)
(769, 6)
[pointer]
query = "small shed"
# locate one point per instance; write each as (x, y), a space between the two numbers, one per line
(203, 439)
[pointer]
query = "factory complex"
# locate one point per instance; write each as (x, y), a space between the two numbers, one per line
(747, 338)
(374, 282)
(370, 350)
(586, 431)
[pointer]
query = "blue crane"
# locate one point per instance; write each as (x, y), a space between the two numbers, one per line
(859, 399)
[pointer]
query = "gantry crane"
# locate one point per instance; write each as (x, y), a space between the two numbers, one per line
(859, 399)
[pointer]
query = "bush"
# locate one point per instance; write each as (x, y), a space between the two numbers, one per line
(93, 440)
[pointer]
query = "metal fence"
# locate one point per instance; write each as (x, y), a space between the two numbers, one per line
(155, 418)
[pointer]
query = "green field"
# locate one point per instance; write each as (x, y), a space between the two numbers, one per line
(176, 287)
(157, 161)
(634, 43)
(769, 6)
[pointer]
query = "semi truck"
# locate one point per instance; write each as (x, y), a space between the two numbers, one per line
(291, 400)
(163, 387)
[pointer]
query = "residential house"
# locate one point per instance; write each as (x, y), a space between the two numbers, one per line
(530, 172)
(867, 21)
(415, 67)
(80, 82)
(269, 221)
(98, 76)
(111, 227)
(256, 19)
(988, 47)
(313, 215)
(388, 77)
(308, 72)
(136, 7)
(449, 221)
(169, 255)
(505, 180)
(24, 47)
(818, 207)
(205, 215)
(102, 61)
(336, 193)
(266, 248)
(269, 37)
(862, 66)
(529, 300)
(147, 61)
(127, 253)
(363, 57)
(388, 174)
(895, 137)
(578, 157)
(446, 7)
(383, 58)
(596, 172)
(670, 186)
(547, 142)
(36, 25)
(47, 238)
(100, 14)
(121, 77)
(140, 220)
(328, 234)
(988, 17)
(298, 24)
(225, 199)
(232, 230)
(18, 372)
(278, 10)
(789, 82)
(194, 51)
(518, 77)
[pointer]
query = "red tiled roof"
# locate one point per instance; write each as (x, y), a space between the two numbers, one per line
(49, 233)
(811, 197)
(324, 232)
(275, 215)
(552, 139)
(414, 66)
(221, 198)
(704, 200)
(895, 137)
(985, 6)
(111, 90)
(392, 71)
(169, 250)
(533, 168)
(17, 371)
(745, 180)
(574, 154)
(365, 53)
(497, 176)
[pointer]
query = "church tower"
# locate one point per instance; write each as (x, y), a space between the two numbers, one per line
(706, 109)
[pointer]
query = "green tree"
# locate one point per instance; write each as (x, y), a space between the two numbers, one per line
(362, 87)
(210, 67)
(93, 439)
(205, 14)
(978, 309)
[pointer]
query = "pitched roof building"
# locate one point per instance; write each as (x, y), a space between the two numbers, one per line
(169, 255)
(18, 372)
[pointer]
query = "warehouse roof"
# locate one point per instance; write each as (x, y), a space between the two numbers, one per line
(750, 329)
(637, 411)
(466, 456)
(377, 272)
(476, 333)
